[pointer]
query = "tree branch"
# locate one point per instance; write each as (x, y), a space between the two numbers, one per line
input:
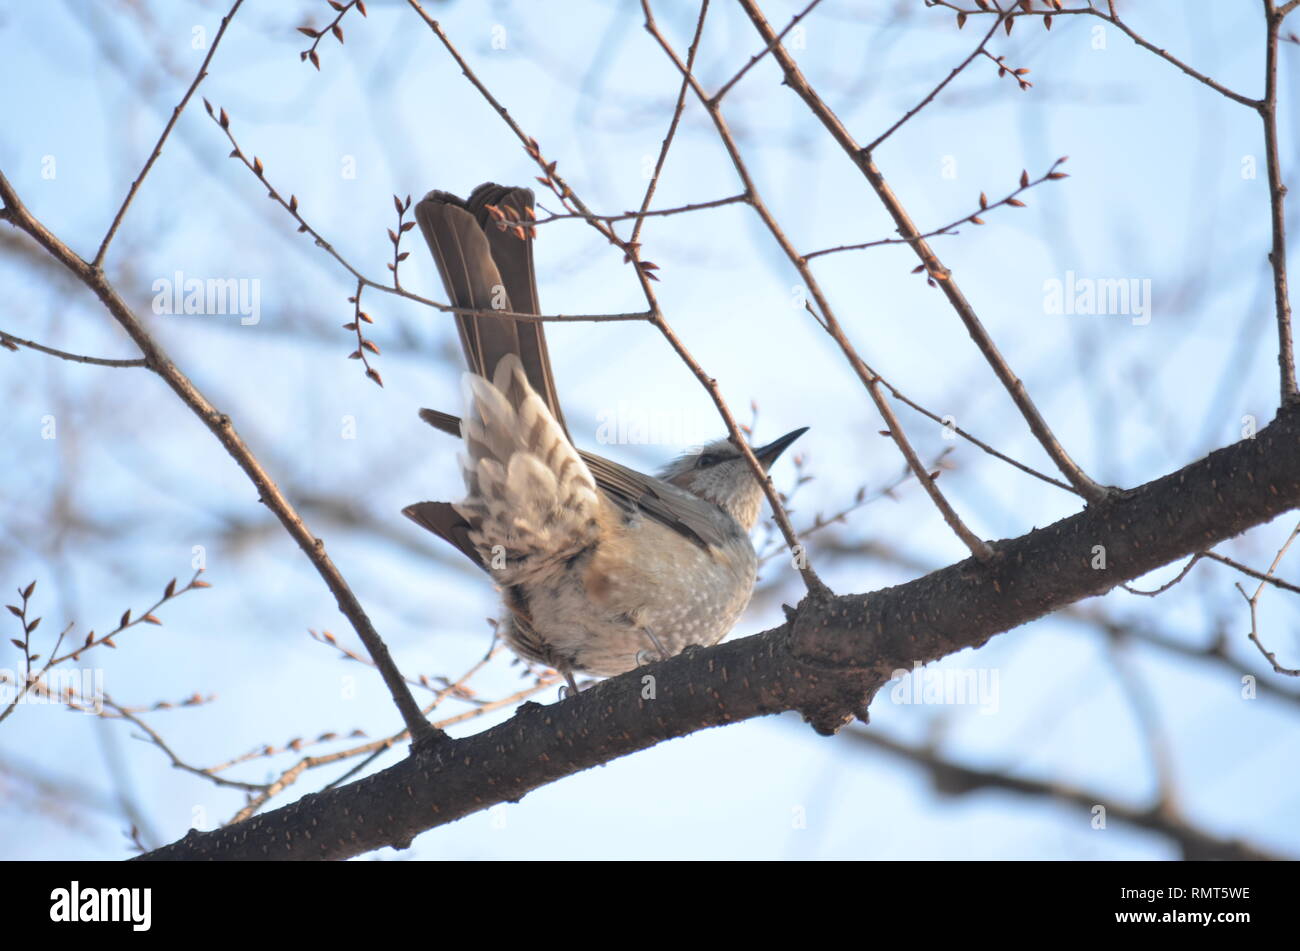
(827, 661)
(824, 315)
(10, 342)
(223, 428)
(162, 139)
(794, 78)
(1276, 197)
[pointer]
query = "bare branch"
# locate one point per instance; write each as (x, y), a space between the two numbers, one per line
(221, 426)
(1010, 200)
(34, 683)
(1267, 108)
(717, 96)
(929, 98)
(826, 316)
(678, 109)
(10, 342)
(1247, 570)
(341, 8)
(1253, 601)
(1089, 489)
(162, 139)
(639, 216)
(1110, 16)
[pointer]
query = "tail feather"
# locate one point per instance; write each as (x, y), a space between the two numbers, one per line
(448, 524)
(486, 267)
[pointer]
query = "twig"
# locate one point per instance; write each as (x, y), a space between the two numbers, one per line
(952, 427)
(1089, 489)
(827, 319)
(1018, 74)
(221, 426)
(341, 9)
(1165, 55)
(9, 341)
(373, 750)
(1110, 16)
(222, 118)
(1169, 584)
(929, 98)
(152, 736)
(1011, 200)
(162, 139)
(295, 744)
(364, 344)
(1245, 569)
(32, 682)
(1267, 108)
(717, 96)
(678, 109)
(396, 237)
(1253, 601)
(423, 681)
(638, 216)
(860, 499)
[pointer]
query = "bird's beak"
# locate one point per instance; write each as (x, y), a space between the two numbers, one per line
(767, 454)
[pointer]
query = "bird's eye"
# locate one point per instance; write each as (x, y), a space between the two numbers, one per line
(708, 459)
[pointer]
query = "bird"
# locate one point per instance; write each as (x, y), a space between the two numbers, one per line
(601, 568)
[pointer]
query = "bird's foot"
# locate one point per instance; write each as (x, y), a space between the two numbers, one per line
(570, 688)
(644, 657)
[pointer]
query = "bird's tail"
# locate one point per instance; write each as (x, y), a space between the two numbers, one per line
(488, 267)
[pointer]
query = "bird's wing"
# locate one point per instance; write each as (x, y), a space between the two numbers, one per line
(443, 520)
(443, 422)
(630, 490)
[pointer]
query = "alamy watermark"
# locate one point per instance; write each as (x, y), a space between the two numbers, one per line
(633, 425)
(82, 689)
(974, 686)
(210, 297)
(1099, 296)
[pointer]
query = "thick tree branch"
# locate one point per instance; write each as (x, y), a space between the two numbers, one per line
(827, 661)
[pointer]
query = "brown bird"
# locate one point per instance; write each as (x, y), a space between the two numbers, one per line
(599, 565)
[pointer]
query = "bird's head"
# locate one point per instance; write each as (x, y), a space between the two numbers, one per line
(718, 473)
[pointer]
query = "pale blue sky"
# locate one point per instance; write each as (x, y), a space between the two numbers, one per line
(1157, 193)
